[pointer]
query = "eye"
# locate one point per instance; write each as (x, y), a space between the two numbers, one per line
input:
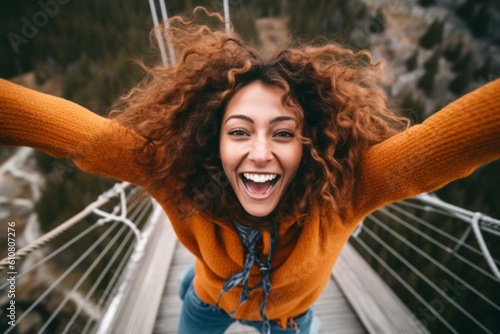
(238, 132)
(284, 134)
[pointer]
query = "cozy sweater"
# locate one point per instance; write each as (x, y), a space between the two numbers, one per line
(448, 145)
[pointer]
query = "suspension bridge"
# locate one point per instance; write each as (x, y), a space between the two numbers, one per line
(125, 279)
(115, 268)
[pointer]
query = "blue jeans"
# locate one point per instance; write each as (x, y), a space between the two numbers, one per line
(198, 317)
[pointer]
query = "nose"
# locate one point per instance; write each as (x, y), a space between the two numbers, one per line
(260, 152)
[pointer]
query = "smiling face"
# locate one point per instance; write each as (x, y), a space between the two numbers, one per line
(259, 148)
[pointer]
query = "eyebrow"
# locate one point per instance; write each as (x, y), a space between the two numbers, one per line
(274, 120)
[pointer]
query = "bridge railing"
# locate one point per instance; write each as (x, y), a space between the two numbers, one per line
(441, 260)
(63, 281)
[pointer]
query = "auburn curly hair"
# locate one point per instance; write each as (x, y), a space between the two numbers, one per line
(334, 92)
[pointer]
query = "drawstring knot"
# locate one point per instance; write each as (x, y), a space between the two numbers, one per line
(250, 239)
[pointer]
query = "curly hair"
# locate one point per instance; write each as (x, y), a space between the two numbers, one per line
(334, 92)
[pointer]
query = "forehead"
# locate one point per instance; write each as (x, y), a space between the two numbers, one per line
(256, 100)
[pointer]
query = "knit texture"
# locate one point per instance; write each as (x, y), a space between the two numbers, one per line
(448, 145)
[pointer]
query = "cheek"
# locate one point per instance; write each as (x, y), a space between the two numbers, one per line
(222, 150)
(225, 156)
(294, 157)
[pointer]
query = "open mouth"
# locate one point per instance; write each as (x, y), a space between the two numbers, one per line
(259, 184)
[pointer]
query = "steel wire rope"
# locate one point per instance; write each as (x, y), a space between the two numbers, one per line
(97, 282)
(54, 253)
(482, 244)
(83, 277)
(128, 275)
(108, 265)
(429, 281)
(432, 260)
(491, 224)
(423, 277)
(63, 247)
(66, 225)
(117, 272)
(434, 228)
(491, 231)
(463, 218)
(60, 278)
(111, 283)
(429, 208)
(120, 218)
(434, 200)
(80, 281)
(436, 242)
(110, 217)
(100, 256)
(171, 52)
(402, 281)
(226, 17)
(158, 33)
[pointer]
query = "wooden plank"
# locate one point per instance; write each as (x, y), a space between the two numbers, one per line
(335, 312)
(170, 308)
(378, 307)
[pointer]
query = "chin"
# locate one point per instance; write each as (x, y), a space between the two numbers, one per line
(258, 212)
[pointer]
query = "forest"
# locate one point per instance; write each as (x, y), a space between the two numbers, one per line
(94, 47)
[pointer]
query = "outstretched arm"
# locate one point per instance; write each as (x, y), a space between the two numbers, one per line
(62, 128)
(448, 145)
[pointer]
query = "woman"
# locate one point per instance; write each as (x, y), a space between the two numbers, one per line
(264, 166)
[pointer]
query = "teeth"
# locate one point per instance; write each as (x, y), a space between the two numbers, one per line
(260, 178)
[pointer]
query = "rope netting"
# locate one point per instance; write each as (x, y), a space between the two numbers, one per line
(68, 275)
(439, 259)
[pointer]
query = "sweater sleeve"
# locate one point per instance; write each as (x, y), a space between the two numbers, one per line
(448, 145)
(62, 128)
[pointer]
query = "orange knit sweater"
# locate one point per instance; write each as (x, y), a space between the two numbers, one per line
(447, 146)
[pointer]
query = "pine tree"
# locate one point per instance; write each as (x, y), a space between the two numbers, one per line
(426, 82)
(480, 22)
(466, 11)
(432, 64)
(415, 107)
(349, 22)
(433, 35)
(465, 71)
(464, 64)
(426, 3)
(453, 50)
(482, 74)
(460, 83)
(61, 200)
(362, 11)
(412, 62)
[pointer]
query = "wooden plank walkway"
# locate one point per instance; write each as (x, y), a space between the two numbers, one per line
(332, 308)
